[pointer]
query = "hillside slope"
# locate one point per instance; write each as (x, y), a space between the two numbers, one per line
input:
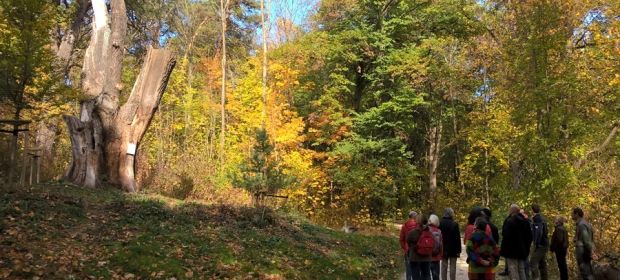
(56, 231)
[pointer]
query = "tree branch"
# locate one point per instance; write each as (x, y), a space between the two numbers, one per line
(601, 147)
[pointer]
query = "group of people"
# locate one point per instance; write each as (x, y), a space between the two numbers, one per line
(432, 246)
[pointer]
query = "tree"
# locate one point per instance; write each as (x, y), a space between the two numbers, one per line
(105, 136)
(27, 75)
(224, 20)
(261, 174)
(264, 65)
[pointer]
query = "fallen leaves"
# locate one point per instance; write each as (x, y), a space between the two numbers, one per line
(47, 238)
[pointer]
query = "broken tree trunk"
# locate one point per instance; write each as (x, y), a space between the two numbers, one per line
(105, 137)
(135, 116)
(96, 153)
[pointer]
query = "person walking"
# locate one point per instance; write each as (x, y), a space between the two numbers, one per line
(482, 252)
(540, 245)
(516, 241)
(559, 246)
(438, 249)
(420, 242)
(451, 236)
(404, 231)
(584, 244)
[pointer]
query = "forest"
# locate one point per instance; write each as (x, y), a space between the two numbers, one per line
(341, 111)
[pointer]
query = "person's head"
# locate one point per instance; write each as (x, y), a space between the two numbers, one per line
(577, 213)
(487, 212)
(448, 213)
(412, 215)
(559, 221)
(422, 219)
(481, 223)
(473, 214)
(536, 208)
(433, 220)
(514, 209)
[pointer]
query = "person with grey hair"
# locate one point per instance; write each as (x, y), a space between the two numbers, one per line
(433, 221)
(409, 225)
(516, 242)
(451, 240)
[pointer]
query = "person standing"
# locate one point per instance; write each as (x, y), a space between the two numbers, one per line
(516, 241)
(451, 236)
(559, 246)
(404, 231)
(420, 242)
(438, 250)
(540, 245)
(494, 231)
(471, 219)
(584, 244)
(482, 252)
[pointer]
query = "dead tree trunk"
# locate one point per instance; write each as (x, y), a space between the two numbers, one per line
(105, 137)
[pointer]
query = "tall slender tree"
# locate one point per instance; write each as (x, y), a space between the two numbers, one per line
(224, 20)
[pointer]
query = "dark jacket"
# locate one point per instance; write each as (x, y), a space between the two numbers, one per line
(559, 240)
(412, 241)
(517, 237)
(540, 232)
(451, 235)
(494, 233)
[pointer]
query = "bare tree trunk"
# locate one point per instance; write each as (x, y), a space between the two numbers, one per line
(487, 175)
(224, 18)
(135, 116)
(433, 161)
(86, 147)
(264, 66)
(105, 137)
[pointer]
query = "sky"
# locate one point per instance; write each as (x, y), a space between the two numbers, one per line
(296, 11)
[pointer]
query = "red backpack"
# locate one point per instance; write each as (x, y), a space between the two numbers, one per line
(425, 244)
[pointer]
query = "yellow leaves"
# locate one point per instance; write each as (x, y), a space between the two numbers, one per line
(615, 81)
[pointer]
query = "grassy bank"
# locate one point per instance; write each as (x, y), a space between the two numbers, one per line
(56, 231)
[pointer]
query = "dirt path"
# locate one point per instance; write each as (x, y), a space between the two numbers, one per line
(461, 266)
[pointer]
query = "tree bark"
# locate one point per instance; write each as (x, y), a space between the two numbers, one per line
(224, 19)
(264, 62)
(135, 116)
(433, 161)
(103, 134)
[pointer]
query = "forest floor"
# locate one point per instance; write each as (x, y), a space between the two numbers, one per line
(56, 231)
